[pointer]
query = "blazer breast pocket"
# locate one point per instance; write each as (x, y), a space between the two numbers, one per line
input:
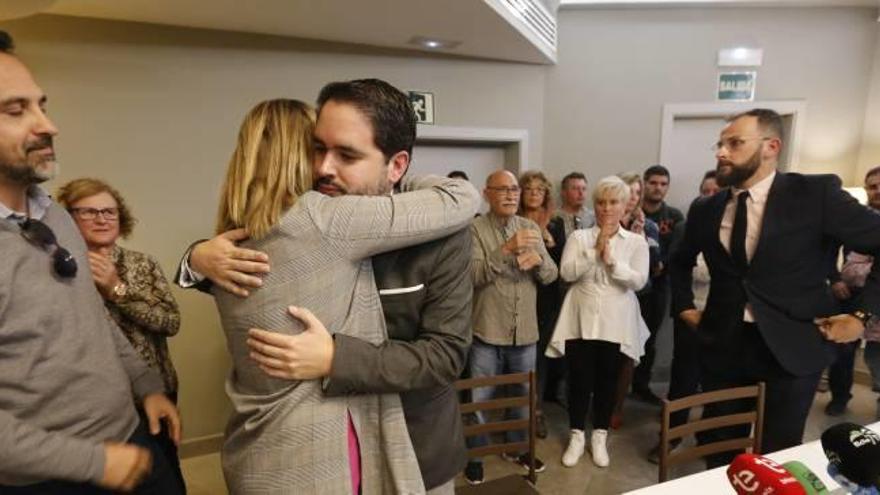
(403, 308)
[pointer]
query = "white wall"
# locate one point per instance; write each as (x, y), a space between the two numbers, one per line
(618, 67)
(869, 155)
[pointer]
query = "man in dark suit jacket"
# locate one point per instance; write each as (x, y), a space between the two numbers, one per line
(767, 240)
(425, 290)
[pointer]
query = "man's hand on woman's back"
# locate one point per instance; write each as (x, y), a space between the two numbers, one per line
(233, 268)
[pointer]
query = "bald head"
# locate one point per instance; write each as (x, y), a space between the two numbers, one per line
(500, 175)
(502, 192)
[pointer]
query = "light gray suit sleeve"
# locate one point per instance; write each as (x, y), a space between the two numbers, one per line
(428, 208)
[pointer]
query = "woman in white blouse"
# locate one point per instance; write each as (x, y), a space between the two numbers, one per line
(599, 322)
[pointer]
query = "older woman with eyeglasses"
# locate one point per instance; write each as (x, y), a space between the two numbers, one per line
(536, 204)
(135, 290)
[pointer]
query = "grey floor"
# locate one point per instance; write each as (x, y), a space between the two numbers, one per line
(629, 469)
(628, 446)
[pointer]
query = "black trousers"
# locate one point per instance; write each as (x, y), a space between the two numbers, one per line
(654, 306)
(160, 481)
(593, 372)
(166, 444)
(684, 377)
(787, 402)
(840, 373)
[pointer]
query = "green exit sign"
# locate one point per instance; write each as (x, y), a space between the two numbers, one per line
(736, 86)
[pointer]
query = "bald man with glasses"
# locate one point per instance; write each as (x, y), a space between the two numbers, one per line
(509, 259)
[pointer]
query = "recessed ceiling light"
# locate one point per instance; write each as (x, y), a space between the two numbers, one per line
(433, 43)
(740, 57)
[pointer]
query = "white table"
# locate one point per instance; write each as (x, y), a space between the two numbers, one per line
(715, 480)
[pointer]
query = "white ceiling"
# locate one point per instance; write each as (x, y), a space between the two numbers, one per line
(476, 24)
(563, 4)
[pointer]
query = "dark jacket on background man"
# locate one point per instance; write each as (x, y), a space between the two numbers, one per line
(806, 217)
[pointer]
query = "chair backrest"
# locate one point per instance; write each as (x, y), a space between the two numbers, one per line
(754, 417)
(502, 425)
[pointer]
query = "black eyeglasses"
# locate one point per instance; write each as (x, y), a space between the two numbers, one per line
(92, 213)
(37, 232)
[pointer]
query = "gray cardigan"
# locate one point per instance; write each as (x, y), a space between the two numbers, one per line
(67, 373)
(287, 436)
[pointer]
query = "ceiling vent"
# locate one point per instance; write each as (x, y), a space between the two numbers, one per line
(532, 19)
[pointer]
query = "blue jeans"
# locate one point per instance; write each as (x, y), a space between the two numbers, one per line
(491, 360)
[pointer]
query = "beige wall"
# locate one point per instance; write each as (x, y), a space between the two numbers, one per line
(155, 110)
(617, 68)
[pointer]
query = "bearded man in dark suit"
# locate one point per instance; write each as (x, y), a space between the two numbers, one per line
(767, 240)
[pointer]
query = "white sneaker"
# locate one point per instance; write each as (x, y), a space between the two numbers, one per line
(599, 449)
(575, 448)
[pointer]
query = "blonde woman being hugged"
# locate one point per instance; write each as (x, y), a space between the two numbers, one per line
(599, 324)
(285, 436)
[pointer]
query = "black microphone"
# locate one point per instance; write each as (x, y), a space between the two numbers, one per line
(855, 451)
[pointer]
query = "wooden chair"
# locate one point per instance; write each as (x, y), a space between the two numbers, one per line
(753, 417)
(514, 484)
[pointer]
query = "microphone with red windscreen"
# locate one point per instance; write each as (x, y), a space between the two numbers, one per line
(751, 474)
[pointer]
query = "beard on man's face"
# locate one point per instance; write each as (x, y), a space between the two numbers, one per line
(729, 174)
(36, 168)
(330, 187)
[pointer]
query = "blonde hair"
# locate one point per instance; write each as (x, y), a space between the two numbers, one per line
(534, 176)
(270, 167)
(611, 186)
(78, 189)
(630, 178)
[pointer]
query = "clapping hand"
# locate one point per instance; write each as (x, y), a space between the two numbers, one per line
(603, 243)
(637, 226)
(104, 273)
(528, 260)
(522, 241)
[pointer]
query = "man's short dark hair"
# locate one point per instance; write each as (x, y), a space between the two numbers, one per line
(710, 174)
(768, 120)
(6, 43)
(458, 174)
(388, 109)
(655, 170)
(874, 171)
(573, 176)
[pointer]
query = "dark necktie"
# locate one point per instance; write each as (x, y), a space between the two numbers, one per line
(738, 236)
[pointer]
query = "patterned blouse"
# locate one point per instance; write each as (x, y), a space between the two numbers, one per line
(148, 313)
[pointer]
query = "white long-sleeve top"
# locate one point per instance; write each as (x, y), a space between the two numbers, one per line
(601, 304)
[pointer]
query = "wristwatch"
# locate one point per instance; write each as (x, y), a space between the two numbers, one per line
(863, 316)
(120, 290)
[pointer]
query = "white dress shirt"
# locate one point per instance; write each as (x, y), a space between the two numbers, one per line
(755, 206)
(601, 304)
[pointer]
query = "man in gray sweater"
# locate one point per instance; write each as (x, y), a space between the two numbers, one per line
(68, 376)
